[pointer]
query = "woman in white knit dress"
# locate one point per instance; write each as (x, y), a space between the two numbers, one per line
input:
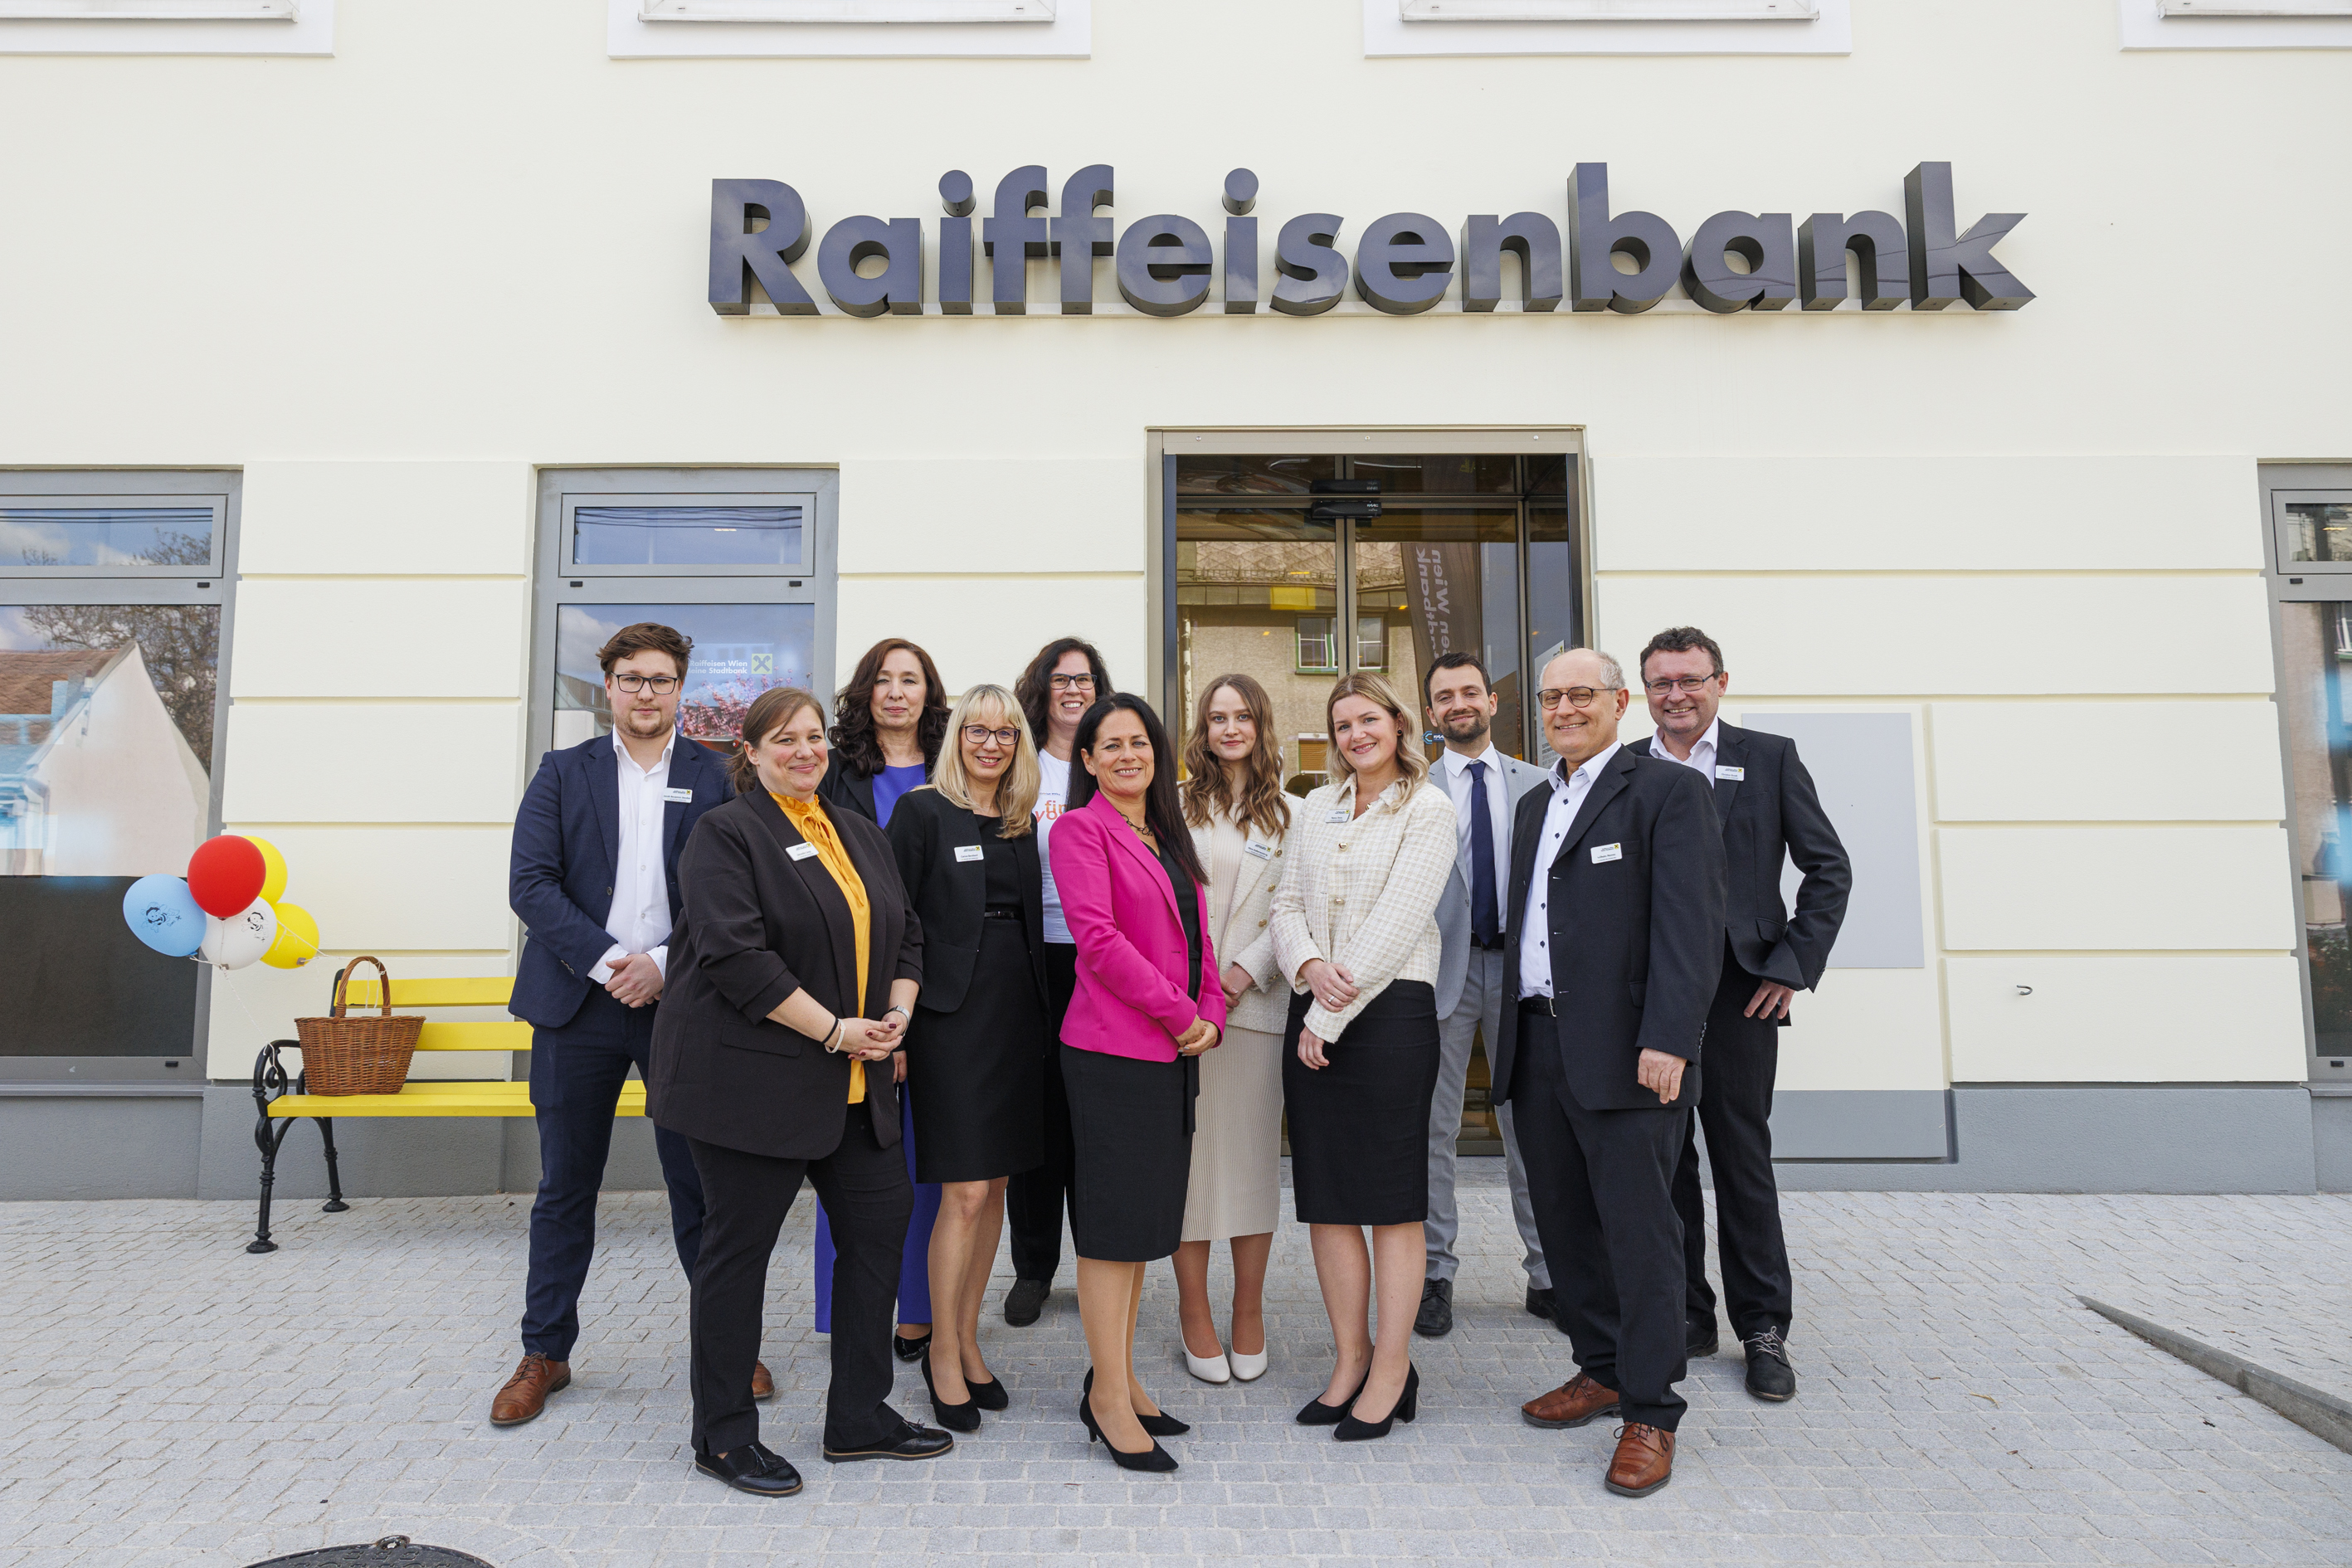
(1235, 805)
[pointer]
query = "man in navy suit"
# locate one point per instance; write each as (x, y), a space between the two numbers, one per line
(595, 882)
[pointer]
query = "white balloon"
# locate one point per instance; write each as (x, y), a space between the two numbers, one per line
(241, 938)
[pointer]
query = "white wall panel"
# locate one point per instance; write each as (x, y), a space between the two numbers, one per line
(461, 519)
(2130, 888)
(2123, 762)
(2210, 1020)
(354, 637)
(1903, 511)
(1867, 635)
(371, 889)
(1866, 1029)
(374, 762)
(988, 628)
(984, 514)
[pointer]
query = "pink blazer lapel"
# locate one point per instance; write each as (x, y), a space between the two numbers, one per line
(1123, 836)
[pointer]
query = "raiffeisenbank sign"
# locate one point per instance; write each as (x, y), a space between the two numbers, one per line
(1404, 263)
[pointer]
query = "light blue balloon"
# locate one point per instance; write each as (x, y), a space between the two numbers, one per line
(162, 913)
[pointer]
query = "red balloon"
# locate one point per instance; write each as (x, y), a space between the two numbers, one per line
(225, 874)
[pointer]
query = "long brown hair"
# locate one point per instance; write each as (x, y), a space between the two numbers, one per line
(852, 711)
(770, 711)
(1259, 802)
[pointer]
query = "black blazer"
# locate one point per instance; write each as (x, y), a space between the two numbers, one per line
(845, 788)
(948, 895)
(760, 925)
(1636, 939)
(1776, 806)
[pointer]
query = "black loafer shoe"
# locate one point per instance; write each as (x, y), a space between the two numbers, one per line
(1435, 1319)
(1704, 1339)
(751, 1469)
(910, 1442)
(1026, 1300)
(1769, 1375)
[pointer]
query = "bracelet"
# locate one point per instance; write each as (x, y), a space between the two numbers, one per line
(835, 1033)
(894, 1007)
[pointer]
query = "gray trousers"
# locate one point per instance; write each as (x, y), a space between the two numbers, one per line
(1486, 991)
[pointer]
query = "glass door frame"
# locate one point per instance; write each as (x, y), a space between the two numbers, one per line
(1165, 444)
(2300, 583)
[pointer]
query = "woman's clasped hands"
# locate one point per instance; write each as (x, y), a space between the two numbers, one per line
(1197, 1039)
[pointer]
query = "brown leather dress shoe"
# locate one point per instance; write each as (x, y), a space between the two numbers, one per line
(1579, 1402)
(525, 1395)
(1644, 1462)
(762, 1385)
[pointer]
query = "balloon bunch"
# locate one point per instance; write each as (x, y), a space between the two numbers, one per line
(227, 910)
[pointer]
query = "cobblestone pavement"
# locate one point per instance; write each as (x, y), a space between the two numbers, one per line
(167, 1400)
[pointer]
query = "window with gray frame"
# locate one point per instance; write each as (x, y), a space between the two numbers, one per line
(114, 623)
(739, 559)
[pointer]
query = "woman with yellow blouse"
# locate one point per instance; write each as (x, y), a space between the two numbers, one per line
(795, 965)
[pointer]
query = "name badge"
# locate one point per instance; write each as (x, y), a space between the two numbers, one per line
(1336, 813)
(1735, 775)
(968, 852)
(677, 794)
(801, 852)
(1605, 852)
(1257, 852)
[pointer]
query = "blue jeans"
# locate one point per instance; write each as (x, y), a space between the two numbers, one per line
(914, 1259)
(576, 1073)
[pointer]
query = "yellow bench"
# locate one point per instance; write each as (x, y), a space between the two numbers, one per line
(281, 1100)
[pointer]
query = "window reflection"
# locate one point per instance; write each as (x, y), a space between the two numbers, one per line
(2319, 530)
(106, 536)
(2317, 655)
(687, 536)
(1257, 593)
(740, 651)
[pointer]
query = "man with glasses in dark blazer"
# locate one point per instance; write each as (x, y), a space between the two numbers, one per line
(595, 883)
(1767, 805)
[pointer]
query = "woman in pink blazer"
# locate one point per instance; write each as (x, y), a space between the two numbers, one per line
(1134, 892)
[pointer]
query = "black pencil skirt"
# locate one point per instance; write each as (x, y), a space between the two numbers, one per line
(1131, 1140)
(1360, 1127)
(976, 1076)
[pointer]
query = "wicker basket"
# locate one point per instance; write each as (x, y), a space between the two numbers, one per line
(364, 1055)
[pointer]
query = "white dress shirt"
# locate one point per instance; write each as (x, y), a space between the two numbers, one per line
(1701, 757)
(1560, 815)
(1498, 814)
(639, 921)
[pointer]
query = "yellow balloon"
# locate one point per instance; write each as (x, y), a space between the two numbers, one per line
(273, 880)
(298, 935)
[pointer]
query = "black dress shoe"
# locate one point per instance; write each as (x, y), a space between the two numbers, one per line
(910, 1442)
(1026, 1300)
(751, 1469)
(961, 1417)
(990, 1396)
(1704, 1338)
(1769, 1375)
(1315, 1413)
(909, 1350)
(1407, 1406)
(1161, 1426)
(1435, 1319)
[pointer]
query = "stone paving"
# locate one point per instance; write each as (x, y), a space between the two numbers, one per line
(167, 1400)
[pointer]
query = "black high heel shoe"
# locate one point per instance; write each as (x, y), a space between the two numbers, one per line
(1154, 1459)
(909, 1350)
(1407, 1406)
(1315, 1413)
(990, 1396)
(963, 1417)
(1161, 1426)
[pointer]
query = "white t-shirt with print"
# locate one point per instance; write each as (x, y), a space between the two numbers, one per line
(1053, 794)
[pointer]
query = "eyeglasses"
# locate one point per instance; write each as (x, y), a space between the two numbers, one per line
(1688, 685)
(662, 684)
(1073, 682)
(980, 734)
(1576, 696)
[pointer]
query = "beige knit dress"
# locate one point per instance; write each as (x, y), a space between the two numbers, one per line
(1237, 1181)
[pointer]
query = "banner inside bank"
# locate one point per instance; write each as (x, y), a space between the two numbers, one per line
(1404, 263)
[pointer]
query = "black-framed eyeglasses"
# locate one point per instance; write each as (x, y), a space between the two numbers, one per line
(1073, 682)
(1688, 685)
(662, 684)
(980, 734)
(1577, 695)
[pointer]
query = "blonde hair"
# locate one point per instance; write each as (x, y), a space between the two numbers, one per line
(1375, 688)
(1016, 791)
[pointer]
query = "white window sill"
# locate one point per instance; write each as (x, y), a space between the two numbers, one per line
(2144, 26)
(1388, 33)
(1069, 36)
(313, 32)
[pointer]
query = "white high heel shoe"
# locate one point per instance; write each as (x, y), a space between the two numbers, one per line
(1211, 1368)
(1248, 1368)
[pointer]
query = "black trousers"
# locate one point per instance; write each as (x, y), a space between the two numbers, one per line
(866, 1191)
(1736, 1112)
(1603, 1185)
(1034, 1200)
(576, 1073)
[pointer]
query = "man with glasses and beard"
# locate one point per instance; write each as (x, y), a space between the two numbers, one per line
(1767, 803)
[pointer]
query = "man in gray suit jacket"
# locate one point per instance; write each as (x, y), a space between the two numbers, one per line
(1473, 986)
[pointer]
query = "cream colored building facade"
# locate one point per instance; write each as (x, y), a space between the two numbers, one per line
(393, 274)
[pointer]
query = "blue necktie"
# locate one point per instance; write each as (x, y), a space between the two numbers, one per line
(1485, 917)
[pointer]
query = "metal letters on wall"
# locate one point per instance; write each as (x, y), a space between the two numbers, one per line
(1404, 263)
